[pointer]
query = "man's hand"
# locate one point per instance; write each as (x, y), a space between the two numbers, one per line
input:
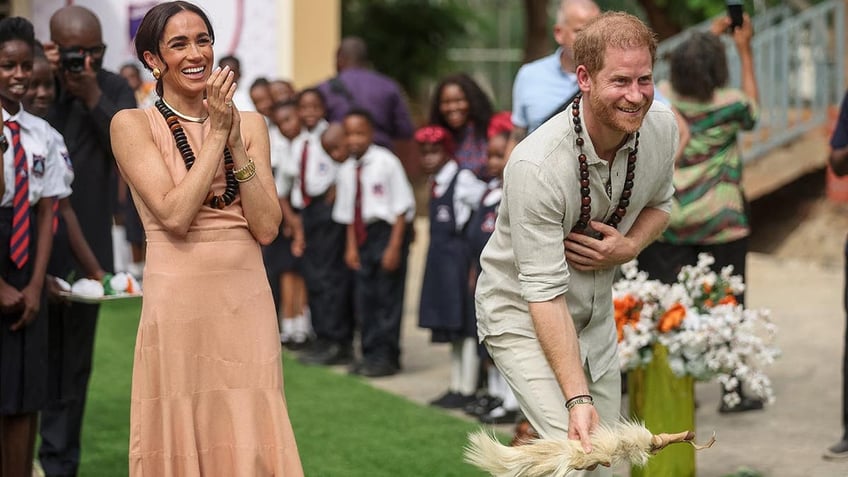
(582, 420)
(588, 253)
(83, 85)
(51, 51)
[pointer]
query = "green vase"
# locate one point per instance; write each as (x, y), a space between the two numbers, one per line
(665, 403)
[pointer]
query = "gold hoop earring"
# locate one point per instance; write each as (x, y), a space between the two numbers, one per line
(157, 73)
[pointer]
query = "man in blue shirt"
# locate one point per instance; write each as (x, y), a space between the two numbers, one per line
(542, 86)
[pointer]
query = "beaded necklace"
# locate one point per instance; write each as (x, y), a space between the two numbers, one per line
(582, 225)
(212, 200)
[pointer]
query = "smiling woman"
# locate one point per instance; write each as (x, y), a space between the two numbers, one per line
(200, 176)
(460, 106)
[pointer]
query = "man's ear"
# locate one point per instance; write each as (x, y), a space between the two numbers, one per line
(559, 34)
(584, 79)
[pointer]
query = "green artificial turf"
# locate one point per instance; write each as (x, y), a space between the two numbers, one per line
(344, 427)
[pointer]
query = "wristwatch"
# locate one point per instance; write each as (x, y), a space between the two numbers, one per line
(4, 143)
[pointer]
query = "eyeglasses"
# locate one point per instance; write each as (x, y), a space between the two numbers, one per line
(93, 51)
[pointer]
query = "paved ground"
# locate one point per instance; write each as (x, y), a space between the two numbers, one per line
(785, 440)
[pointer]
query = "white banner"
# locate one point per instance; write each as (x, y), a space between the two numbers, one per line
(244, 28)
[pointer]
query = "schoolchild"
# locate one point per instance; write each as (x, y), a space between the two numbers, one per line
(498, 405)
(445, 305)
(320, 240)
(33, 178)
(283, 267)
(375, 200)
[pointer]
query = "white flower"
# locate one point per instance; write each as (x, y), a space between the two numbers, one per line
(725, 342)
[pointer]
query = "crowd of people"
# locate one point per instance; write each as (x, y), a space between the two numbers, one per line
(295, 211)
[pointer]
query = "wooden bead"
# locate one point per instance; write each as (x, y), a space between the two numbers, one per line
(584, 183)
(586, 200)
(580, 141)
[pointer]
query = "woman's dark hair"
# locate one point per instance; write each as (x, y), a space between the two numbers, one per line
(152, 27)
(316, 92)
(17, 28)
(479, 105)
(698, 66)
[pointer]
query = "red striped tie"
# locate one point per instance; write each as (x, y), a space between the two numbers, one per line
(19, 247)
(359, 229)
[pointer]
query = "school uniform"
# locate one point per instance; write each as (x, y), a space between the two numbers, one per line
(445, 305)
(23, 353)
(328, 281)
(482, 222)
(277, 255)
(371, 193)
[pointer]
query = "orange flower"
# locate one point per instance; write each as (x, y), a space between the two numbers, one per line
(627, 309)
(728, 300)
(672, 318)
(707, 288)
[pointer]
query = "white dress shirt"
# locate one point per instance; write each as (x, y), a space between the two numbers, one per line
(282, 157)
(466, 194)
(386, 192)
(47, 159)
(321, 169)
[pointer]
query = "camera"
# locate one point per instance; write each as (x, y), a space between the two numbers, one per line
(73, 60)
(735, 12)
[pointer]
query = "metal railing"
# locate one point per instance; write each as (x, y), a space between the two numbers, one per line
(799, 61)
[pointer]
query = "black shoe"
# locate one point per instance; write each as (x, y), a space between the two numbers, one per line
(500, 415)
(331, 354)
(746, 404)
(376, 369)
(482, 405)
(838, 451)
(452, 400)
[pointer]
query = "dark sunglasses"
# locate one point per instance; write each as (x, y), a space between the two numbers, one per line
(94, 51)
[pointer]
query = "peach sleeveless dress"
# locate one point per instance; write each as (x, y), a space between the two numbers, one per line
(207, 384)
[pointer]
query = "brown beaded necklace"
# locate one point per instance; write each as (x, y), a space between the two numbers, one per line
(212, 200)
(582, 225)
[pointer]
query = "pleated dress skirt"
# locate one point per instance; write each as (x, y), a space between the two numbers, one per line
(207, 388)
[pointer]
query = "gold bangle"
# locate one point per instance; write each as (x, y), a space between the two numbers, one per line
(244, 174)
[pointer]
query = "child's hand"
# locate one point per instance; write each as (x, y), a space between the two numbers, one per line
(53, 290)
(31, 303)
(298, 245)
(391, 259)
(11, 298)
(352, 258)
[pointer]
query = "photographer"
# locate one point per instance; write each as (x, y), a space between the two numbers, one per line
(86, 99)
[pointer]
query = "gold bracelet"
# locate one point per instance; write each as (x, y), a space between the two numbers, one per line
(244, 174)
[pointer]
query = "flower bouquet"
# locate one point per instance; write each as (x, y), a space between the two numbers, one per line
(672, 335)
(706, 333)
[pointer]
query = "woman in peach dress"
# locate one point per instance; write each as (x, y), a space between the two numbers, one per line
(207, 392)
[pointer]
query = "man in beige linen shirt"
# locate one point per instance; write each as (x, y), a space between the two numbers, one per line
(547, 317)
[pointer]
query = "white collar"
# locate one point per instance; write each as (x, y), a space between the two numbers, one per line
(446, 173)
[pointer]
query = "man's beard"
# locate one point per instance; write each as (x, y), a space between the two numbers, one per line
(611, 117)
